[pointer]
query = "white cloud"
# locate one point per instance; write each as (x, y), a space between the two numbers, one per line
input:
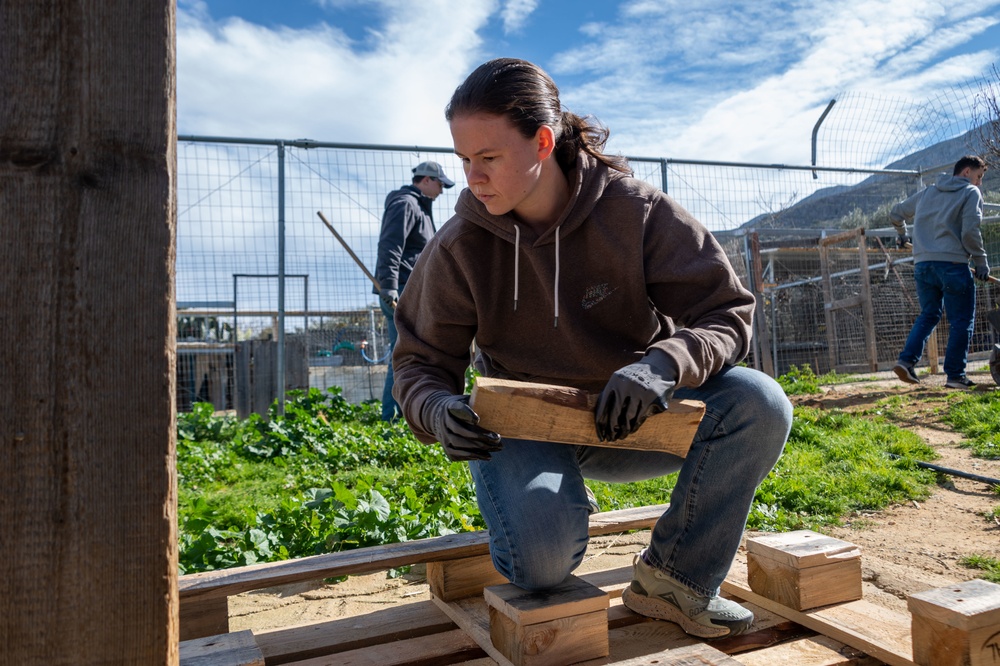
(240, 79)
(515, 13)
(748, 82)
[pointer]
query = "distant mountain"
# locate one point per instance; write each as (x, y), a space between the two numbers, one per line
(827, 208)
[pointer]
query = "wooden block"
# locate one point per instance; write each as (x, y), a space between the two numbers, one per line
(957, 625)
(561, 414)
(565, 640)
(572, 597)
(563, 625)
(204, 617)
(456, 579)
(803, 569)
(235, 649)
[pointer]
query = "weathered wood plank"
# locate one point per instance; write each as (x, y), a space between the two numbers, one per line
(813, 651)
(367, 560)
(400, 623)
(444, 648)
(236, 649)
(863, 625)
(561, 414)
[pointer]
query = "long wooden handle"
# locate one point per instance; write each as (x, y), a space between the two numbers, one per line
(350, 251)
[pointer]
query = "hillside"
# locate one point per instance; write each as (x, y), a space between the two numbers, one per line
(826, 208)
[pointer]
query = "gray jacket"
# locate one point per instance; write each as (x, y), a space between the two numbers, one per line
(946, 219)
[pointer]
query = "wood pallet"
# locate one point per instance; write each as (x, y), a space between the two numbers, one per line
(454, 629)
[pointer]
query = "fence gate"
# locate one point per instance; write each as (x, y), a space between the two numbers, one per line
(847, 302)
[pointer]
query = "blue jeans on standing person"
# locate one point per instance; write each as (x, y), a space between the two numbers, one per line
(947, 284)
(390, 410)
(533, 499)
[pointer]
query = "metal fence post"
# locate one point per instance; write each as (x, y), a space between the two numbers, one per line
(281, 278)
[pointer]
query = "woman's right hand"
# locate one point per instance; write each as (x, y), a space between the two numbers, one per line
(456, 426)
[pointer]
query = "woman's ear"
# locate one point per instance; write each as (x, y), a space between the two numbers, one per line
(545, 140)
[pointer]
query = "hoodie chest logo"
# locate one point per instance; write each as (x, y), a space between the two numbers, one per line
(596, 294)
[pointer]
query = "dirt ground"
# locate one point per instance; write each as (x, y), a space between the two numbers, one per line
(905, 549)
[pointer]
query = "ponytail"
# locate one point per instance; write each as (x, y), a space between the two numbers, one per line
(524, 94)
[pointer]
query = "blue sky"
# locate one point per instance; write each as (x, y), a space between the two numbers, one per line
(736, 81)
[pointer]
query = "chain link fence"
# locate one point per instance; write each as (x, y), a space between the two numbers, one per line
(266, 295)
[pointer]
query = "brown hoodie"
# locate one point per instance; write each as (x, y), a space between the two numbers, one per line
(625, 269)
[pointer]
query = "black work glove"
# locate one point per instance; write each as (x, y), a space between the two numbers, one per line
(455, 425)
(634, 393)
(389, 296)
(982, 272)
(903, 241)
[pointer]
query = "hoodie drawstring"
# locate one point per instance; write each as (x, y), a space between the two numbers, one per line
(517, 256)
(517, 263)
(555, 288)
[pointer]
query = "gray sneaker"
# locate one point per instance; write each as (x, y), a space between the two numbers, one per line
(906, 373)
(655, 594)
(962, 382)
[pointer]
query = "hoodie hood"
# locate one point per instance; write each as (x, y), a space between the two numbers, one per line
(948, 183)
(588, 180)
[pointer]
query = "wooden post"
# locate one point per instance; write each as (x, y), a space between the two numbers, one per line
(88, 552)
(958, 625)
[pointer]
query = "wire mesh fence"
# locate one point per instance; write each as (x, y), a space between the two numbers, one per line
(257, 266)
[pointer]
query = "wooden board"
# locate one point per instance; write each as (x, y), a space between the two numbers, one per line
(235, 649)
(548, 413)
(444, 648)
(863, 625)
(226, 582)
(399, 623)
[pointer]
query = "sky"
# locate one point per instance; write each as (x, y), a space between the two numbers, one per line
(734, 81)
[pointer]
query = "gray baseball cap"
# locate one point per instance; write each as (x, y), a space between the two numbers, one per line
(434, 170)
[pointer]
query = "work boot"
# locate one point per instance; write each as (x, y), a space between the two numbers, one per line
(655, 594)
(906, 373)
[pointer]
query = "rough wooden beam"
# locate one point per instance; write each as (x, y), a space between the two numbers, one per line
(561, 414)
(88, 503)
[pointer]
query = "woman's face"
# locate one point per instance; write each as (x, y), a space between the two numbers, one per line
(501, 166)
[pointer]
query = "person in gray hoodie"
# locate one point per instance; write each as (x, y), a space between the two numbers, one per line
(566, 270)
(945, 235)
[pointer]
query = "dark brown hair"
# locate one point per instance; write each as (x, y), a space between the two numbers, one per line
(969, 162)
(522, 92)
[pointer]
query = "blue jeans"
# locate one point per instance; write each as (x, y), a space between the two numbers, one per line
(951, 285)
(390, 410)
(532, 495)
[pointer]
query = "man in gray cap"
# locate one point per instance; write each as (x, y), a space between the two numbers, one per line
(407, 225)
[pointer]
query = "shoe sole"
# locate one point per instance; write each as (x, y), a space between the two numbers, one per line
(661, 610)
(904, 375)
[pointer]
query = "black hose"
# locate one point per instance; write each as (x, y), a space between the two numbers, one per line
(953, 472)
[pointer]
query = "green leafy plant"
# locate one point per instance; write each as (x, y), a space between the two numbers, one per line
(798, 381)
(327, 475)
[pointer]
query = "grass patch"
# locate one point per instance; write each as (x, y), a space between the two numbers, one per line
(989, 566)
(977, 416)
